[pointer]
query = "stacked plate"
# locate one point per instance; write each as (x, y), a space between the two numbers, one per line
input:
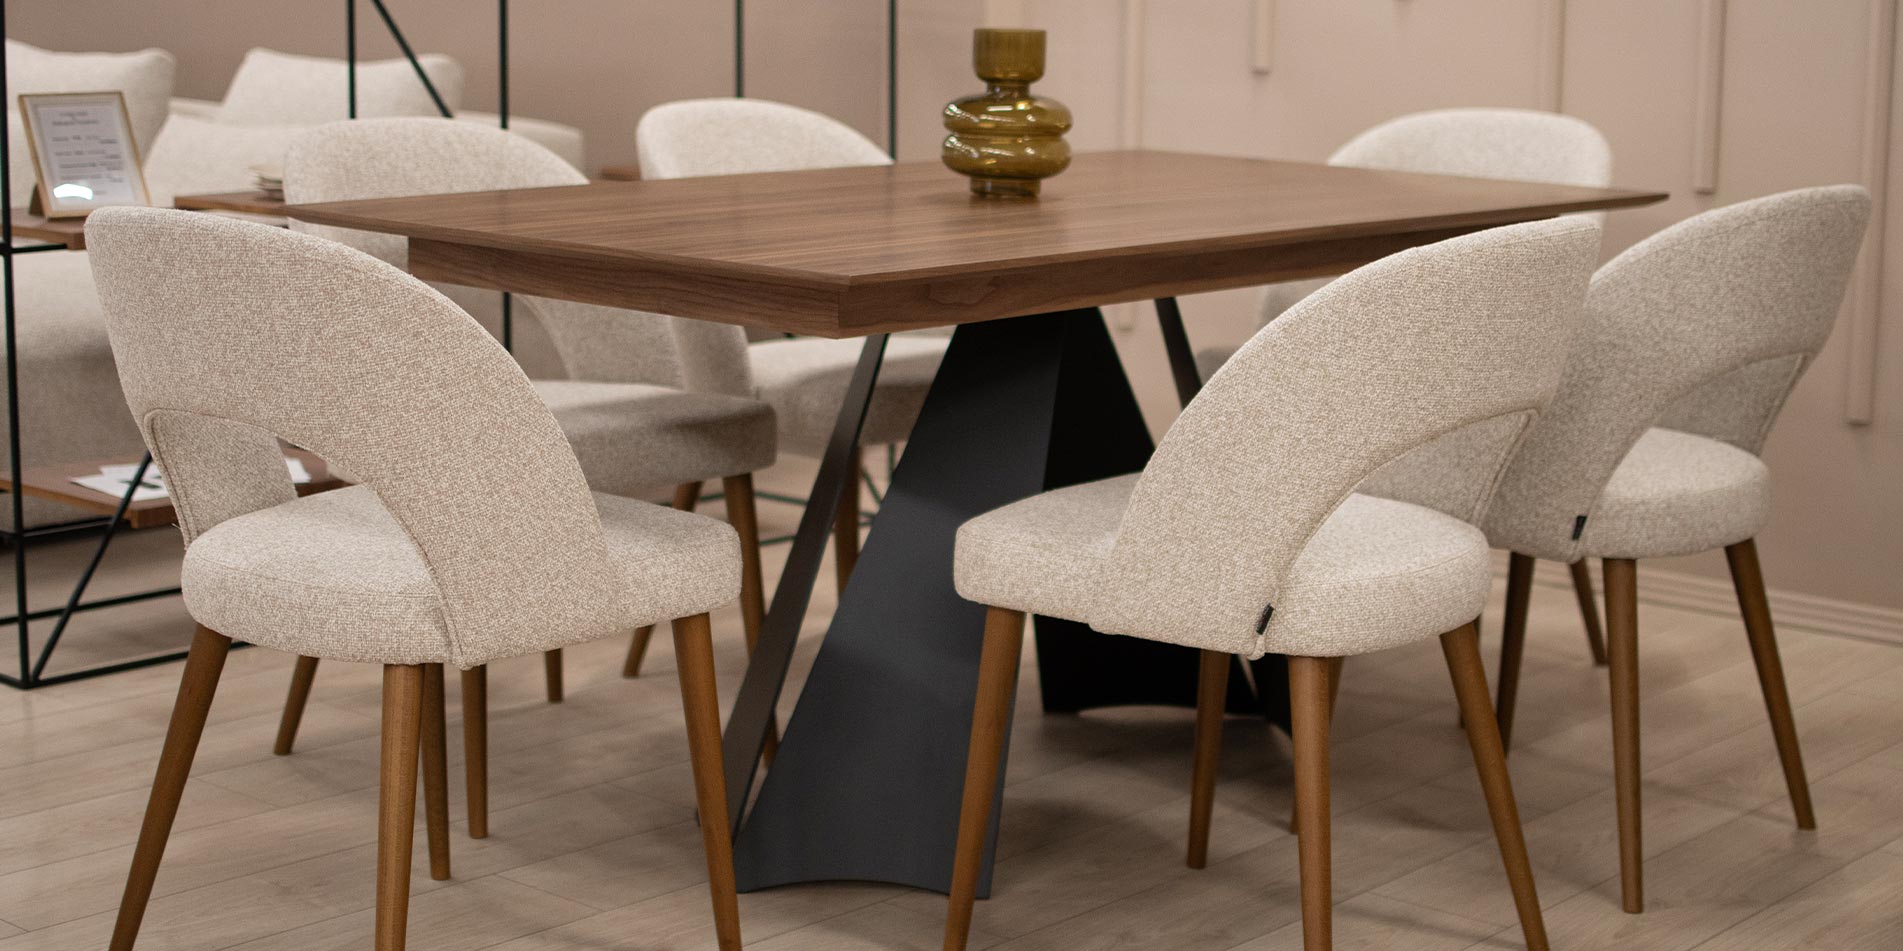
(269, 180)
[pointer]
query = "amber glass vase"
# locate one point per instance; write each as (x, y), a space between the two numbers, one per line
(1006, 139)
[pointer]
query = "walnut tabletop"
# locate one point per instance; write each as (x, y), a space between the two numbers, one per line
(852, 251)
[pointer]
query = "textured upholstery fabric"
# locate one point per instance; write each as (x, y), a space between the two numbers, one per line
(335, 575)
(273, 88)
(696, 137)
(804, 379)
(196, 156)
(70, 406)
(624, 355)
(1738, 299)
(1377, 574)
(634, 437)
(229, 335)
(1513, 144)
(145, 77)
(1679, 494)
(564, 140)
(1468, 332)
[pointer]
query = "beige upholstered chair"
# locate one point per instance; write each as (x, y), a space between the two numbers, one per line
(472, 536)
(1244, 534)
(1512, 144)
(631, 408)
(804, 378)
(1693, 339)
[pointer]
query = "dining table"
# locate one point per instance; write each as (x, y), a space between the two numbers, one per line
(1030, 396)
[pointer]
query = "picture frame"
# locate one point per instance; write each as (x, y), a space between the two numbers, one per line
(84, 153)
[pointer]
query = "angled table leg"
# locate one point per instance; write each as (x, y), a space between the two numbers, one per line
(867, 780)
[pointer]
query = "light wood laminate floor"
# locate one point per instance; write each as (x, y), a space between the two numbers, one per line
(593, 844)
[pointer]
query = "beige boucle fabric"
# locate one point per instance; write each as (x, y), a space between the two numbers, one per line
(145, 77)
(1733, 302)
(625, 357)
(230, 334)
(1377, 573)
(804, 379)
(1679, 494)
(1467, 332)
(634, 437)
(1512, 144)
(273, 88)
(281, 576)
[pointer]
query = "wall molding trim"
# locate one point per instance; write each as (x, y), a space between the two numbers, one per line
(1552, 55)
(1866, 304)
(1706, 595)
(1711, 82)
(1262, 50)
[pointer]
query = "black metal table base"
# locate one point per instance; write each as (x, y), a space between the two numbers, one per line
(866, 782)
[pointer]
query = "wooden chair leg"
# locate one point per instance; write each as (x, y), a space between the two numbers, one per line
(1212, 695)
(552, 673)
(1462, 647)
(1334, 693)
(396, 801)
(301, 677)
(741, 514)
(846, 523)
(694, 660)
(1512, 641)
(476, 749)
(1310, 716)
(1622, 653)
(195, 691)
(433, 744)
(686, 498)
(1589, 612)
(990, 728)
(1748, 579)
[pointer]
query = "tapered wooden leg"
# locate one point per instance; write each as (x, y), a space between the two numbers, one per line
(1589, 612)
(686, 498)
(1748, 579)
(1622, 652)
(396, 802)
(1212, 694)
(476, 749)
(694, 659)
(846, 522)
(741, 514)
(433, 742)
(990, 727)
(1512, 641)
(1310, 716)
(195, 690)
(1334, 693)
(301, 677)
(1462, 647)
(552, 673)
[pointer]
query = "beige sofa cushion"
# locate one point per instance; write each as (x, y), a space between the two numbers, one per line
(145, 77)
(273, 88)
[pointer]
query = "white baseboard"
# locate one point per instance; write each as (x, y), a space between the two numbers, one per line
(1792, 609)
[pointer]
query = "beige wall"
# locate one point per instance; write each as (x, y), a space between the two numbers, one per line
(1179, 74)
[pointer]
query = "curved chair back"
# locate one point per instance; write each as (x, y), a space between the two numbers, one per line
(697, 137)
(1514, 144)
(1705, 326)
(230, 335)
(385, 158)
(1467, 333)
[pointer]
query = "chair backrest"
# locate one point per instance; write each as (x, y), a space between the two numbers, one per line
(1513, 144)
(697, 137)
(1470, 332)
(383, 158)
(230, 335)
(1705, 326)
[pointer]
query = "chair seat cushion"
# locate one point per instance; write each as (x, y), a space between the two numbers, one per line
(636, 437)
(1377, 574)
(1678, 494)
(334, 575)
(805, 378)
